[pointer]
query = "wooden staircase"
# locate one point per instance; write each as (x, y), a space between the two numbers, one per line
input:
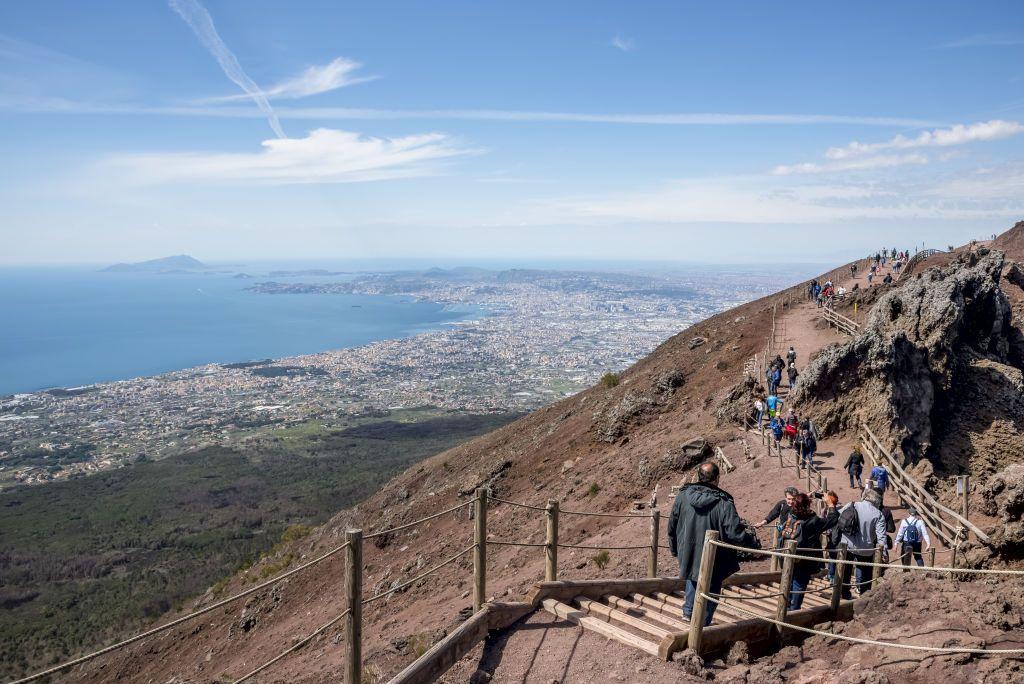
(652, 621)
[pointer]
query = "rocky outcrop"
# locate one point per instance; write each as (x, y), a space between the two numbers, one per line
(902, 374)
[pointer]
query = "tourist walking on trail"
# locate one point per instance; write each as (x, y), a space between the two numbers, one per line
(862, 528)
(878, 480)
(792, 374)
(854, 466)
(832, 535)
(804, 527)
(911, 534)
(774, 405)
(700, 507)
(812, 289)
(777, 429)
(776, 379)
(807, 446)
(759, 409)
(791, 356)
(781, 509)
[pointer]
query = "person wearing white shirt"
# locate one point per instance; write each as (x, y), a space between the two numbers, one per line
(911, 535)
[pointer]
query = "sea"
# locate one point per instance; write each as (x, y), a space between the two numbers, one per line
(68, 326)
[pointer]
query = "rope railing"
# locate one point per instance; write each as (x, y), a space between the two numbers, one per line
(517, 504)
(294, 647)
(174, 623)
(602, 548)
(417, 578)
(512, 543)
(392, 530)
(606, 515)
(870, 642)
(977, 571)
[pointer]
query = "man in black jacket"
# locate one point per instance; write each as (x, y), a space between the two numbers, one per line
(780, 511)
(700, 507)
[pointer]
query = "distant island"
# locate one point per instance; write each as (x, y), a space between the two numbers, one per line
(181, 262)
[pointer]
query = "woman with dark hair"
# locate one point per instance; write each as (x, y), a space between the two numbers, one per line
(831, 530)
(804, 527)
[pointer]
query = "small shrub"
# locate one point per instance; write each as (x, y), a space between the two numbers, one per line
(610, 380)
(601, 558)
(593, 489)
(295, 532)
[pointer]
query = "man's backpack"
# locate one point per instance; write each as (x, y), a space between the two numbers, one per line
(849, 521)
(911, 535)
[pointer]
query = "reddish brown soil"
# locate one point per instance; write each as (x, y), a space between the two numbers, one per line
(624, 440)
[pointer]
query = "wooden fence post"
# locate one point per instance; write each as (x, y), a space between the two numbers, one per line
(480, 550)
(786, 583)
(707, 568)
(931, 557)
(967, 503)
(652, 561)
(551, 543)
(775, 563)
(354, 619)
(837, 588)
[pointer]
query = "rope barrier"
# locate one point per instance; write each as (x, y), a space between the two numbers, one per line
(875, 642)
(173, 623)
(437, 567)
(406, 526)
(607, 515)
(925, 568)
(603, 548)
(508, 543)
(515, 503)
(299, 644)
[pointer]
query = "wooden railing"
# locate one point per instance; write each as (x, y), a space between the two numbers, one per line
(948, 525)
(839, 321)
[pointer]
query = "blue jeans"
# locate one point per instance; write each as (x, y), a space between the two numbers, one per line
(860, 483)
(911, 549)
(864, 576)
(709, 606)
(801, 578)
(760, 416)
(807, 459)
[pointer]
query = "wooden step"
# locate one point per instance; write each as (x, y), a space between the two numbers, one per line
(613, 615)
(677, 601)
(593, 624)
(674, 621)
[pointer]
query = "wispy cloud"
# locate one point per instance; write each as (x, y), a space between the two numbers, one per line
(960, 134)
(623, 43)
(66, 106)
(324, 156)
(882, 161)
(985, 40)
(201, 23)
(314, 80)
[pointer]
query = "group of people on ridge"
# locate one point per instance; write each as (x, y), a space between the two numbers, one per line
(862, 525)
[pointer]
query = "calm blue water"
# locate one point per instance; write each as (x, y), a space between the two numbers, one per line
(68, 326)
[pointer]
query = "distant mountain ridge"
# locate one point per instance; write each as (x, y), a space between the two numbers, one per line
(181, 262)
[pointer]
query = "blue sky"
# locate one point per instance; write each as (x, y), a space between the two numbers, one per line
(680, 131)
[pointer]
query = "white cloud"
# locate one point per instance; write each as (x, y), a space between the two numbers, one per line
(861, 164)
(22, 104)
(324, 156)
(985, 40)
(201, 23)
(774, 200)
(960, 134)
(338, 73)
(623, 43)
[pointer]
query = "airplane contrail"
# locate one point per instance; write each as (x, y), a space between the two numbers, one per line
(201, 23)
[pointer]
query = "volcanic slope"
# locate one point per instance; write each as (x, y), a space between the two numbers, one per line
(597, 451)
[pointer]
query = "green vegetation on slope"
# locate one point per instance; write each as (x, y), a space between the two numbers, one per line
(85, 561)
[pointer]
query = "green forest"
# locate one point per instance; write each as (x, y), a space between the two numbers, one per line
(89, 560)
